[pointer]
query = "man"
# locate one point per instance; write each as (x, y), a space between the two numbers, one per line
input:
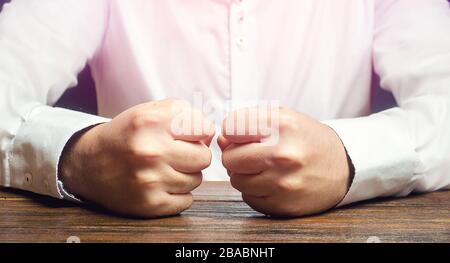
(313, 57)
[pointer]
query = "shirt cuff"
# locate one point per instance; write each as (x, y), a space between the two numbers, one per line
(38, 145)
(383, 157)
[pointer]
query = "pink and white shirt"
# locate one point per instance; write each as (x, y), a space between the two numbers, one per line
(315, 56)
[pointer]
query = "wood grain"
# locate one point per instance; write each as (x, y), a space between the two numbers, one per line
(219, 215)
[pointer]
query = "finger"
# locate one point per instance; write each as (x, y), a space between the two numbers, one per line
(248, 125)
(249, 158)
(179, 183)
(188, 157)
(165, 204)
(191, 125)
(256, 185)
(180, 202)
(264, 205)
(164, 176)
(283, 206)
(154, 203)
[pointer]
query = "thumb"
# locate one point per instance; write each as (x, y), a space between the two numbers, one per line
(223, 142)
(191, 125)
(246, 126)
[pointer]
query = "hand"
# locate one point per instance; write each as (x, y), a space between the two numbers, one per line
(136, 164)
(303, 173)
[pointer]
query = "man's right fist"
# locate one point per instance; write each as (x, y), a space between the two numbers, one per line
(145, 162)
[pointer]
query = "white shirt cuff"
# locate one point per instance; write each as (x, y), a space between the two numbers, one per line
(384, 160)
(38, 145)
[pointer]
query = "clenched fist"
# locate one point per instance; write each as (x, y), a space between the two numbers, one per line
(145, 162)
(294, 168)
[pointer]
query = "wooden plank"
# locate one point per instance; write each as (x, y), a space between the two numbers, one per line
(219, 215)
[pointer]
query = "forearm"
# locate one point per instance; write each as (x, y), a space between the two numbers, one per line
(406, 148)
(398, 151)
(40, 56)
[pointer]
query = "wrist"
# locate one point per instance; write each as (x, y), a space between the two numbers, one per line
(348, 169)
(74, 161)
(351, 169)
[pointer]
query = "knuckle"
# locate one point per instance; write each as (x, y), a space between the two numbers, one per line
(189, 182)
(286, 121)
(142, 203)
(151, 153)
(139, 120)
(197, 180)
(138, 146)
(194, 181)
(289, 184)
(144, 151)
(187, 204)
(173, 208)
(145, 179)
(203, 159)
(286, 156)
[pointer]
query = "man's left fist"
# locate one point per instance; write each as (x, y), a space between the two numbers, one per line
(301, 171)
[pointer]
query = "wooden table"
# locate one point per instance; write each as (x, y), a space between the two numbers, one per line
(219, 215)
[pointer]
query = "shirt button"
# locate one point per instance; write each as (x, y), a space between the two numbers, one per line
(238, 2)
(241, 41)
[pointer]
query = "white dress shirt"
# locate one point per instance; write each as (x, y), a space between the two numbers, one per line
(315, 56)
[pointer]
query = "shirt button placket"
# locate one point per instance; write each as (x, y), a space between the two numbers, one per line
(239, 56)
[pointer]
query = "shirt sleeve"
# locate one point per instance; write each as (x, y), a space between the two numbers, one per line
(43, 46)
(407, 148)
